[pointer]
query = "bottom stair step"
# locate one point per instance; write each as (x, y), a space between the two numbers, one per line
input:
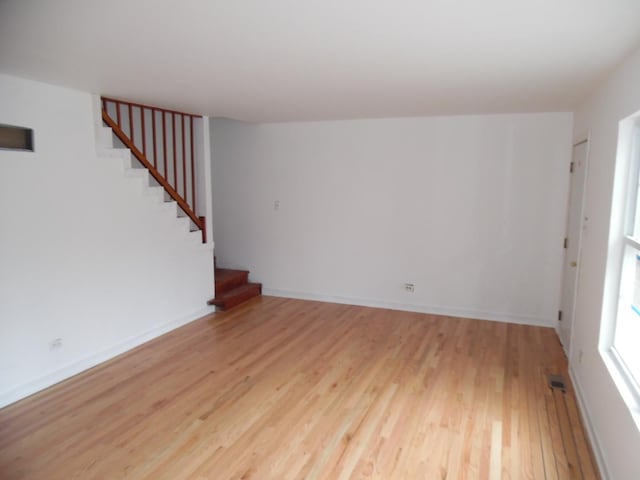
(227, 279)
(237, 295)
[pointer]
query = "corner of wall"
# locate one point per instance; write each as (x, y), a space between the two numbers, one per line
(206, 155)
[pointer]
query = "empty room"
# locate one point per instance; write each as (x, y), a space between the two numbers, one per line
(320, 239)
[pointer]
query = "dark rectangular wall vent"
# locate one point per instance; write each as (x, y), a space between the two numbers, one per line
(16, 138)
(557, 382)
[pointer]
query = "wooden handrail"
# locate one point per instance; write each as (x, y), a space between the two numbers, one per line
(140, 105)
(141, 153)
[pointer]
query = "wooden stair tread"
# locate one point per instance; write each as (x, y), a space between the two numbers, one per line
(240, 289)
(227, 279)
(228, 272)
(236, 295)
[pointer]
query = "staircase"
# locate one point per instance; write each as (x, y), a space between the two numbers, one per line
(162, 142)
(232, 287)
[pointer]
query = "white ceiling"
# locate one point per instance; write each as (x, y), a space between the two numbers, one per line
(278, 60)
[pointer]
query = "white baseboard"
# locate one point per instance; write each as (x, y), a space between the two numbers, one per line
(74, 368)
(408, 307)
(586, 420)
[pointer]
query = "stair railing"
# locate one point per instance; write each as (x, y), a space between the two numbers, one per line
(163, 142)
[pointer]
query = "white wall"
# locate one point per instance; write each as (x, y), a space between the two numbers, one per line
(611, 422)
(470, 209)
(80, 252)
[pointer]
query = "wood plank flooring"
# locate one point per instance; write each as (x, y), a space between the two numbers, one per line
(290, 389)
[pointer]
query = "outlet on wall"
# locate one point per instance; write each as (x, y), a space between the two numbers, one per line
(409, 287)
(55, 344)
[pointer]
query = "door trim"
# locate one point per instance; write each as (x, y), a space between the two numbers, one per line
(582, 222)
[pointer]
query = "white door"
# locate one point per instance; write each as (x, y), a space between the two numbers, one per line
(572, 243)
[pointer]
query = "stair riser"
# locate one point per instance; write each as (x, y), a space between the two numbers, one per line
(230, 283)
(231, 302)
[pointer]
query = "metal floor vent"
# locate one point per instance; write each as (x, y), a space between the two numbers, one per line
(557, 382)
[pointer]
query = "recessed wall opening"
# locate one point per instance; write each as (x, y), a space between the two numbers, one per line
(16, 138)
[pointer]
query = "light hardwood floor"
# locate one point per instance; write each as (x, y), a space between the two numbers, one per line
(290, 389)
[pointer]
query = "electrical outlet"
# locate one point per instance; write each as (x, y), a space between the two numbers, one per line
(580, 354)
(409, 287)
(276, 204)
(55, 344)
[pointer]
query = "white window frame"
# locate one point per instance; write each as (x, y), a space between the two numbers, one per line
(623, 217)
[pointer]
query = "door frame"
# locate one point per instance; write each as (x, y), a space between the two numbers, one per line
(581, 228)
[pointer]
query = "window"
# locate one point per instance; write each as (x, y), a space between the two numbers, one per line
(623, 340)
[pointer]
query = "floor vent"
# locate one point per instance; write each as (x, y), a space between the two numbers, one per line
(557, 382)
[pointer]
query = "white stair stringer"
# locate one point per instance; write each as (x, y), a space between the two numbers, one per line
(166, 215)
(104, 137)
(156, 193)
